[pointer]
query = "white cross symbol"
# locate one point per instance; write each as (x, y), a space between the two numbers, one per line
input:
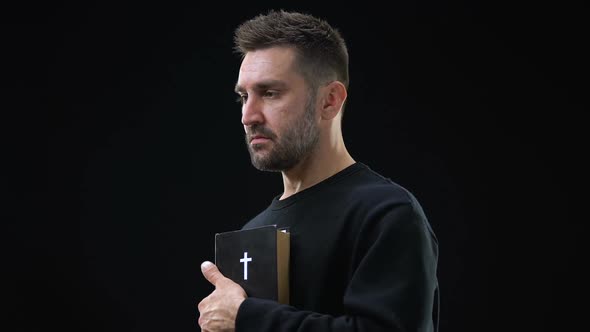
(245, 260)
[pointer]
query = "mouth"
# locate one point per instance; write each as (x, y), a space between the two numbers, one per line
(259, 139)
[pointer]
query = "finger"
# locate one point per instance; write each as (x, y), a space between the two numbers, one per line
(201, 305)
(211, 273)
(201, 322)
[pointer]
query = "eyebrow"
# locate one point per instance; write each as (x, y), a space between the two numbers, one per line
(264, 85)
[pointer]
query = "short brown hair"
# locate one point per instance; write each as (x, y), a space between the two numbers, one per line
(322, 55)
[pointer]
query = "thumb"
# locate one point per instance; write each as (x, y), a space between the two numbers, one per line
(211, 273)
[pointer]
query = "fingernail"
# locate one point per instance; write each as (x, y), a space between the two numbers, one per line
(206, 265)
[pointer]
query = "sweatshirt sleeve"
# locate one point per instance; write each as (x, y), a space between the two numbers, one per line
(392, 281)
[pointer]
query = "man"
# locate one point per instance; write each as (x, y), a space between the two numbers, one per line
(363, 256)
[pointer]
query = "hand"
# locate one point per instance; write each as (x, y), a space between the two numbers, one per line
(218, 311)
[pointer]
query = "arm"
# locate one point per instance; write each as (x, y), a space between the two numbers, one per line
(391, 287)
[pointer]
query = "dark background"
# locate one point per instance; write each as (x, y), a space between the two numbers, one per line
(124, 154)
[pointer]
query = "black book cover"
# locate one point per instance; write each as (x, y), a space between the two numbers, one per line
(257, 259)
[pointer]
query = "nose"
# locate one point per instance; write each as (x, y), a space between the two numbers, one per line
(252, 112)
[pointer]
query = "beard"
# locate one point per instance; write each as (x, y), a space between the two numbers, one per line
(295, 144)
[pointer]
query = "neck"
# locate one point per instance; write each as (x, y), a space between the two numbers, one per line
(325, 161)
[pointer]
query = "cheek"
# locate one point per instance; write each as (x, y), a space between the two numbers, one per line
(276, 115)
(289, 111)
(284, 113)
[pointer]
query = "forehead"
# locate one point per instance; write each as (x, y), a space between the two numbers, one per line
(272, 64)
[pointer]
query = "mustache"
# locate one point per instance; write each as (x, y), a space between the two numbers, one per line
(258, 130)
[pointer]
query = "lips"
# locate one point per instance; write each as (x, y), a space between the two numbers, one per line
(258, 139)
(258, 134)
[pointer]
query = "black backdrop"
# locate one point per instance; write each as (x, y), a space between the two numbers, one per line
(125, 155)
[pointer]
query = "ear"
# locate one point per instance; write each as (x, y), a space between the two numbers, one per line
(333, 96)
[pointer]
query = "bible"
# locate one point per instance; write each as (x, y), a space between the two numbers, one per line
(257, 259)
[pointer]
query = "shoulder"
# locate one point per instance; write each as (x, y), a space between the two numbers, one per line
(373, 189)
(376, 201)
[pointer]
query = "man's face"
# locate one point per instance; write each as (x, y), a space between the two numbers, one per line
(278, 112)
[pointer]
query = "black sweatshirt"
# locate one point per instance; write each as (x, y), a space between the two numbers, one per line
(363, 258)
